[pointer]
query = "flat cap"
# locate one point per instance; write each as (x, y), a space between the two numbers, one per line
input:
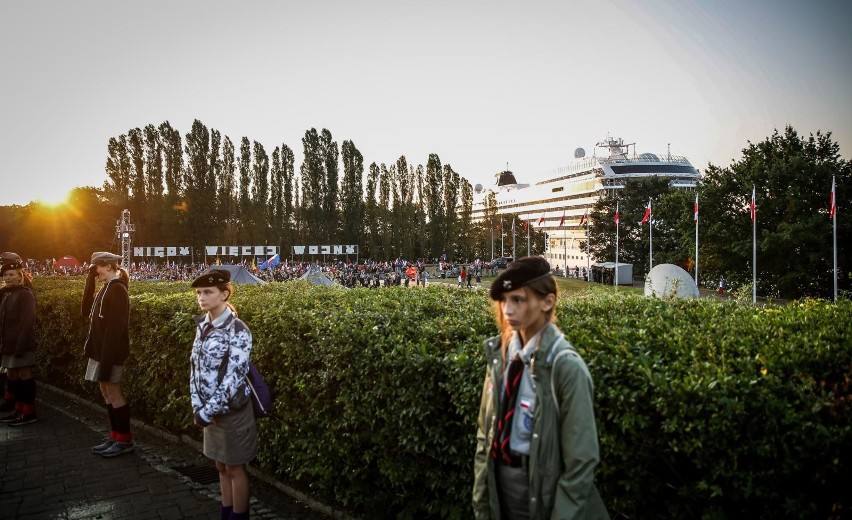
(9, 261)
(518, 274)
(104, 257)
(10, 258)
(212, 278)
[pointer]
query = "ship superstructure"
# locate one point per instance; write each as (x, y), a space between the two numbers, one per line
(572, 190)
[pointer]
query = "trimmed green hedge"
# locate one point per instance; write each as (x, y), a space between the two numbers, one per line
(706, 409)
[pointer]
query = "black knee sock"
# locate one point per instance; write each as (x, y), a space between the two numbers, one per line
(28, 390)
(111, 415)
(122, 423)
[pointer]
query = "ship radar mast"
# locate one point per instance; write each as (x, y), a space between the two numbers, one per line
(616, 147)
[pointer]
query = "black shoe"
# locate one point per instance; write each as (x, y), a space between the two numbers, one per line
(102, 447)
(7, 406)
(12, 416)
(24, 419)
(117, 449)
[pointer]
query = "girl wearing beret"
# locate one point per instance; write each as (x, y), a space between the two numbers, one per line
(17, 341)
(108, 345)
(220, 395)
(536, 440)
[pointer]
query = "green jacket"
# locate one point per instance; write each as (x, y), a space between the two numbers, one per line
(564, 444)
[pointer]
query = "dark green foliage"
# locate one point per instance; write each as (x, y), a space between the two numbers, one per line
(706, 409)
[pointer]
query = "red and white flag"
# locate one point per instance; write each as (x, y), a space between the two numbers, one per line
(527, 225)
(616, 212)
(832, 211)
(647, 216)
(696, 208)
(562, 220)
(752, 204)
(584, 217)
(541, 220)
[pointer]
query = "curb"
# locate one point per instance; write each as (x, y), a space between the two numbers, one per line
(185, 439)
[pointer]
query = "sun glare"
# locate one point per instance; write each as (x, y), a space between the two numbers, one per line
(54, 200)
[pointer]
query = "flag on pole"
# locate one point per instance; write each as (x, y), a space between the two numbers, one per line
(584, 217)
(696, 208)
(616, 212)
(513, 225)
(500, 226)
(562, 220)
(541, 220)
(647, 213)
(752, 204)
(253, 264)
(527, 224)
(833, 207)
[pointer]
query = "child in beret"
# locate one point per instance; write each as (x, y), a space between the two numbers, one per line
(536, 440)
(108, 345)
(18, 345)
(218, 389)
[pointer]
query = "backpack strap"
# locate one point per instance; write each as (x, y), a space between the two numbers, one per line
(568, 349)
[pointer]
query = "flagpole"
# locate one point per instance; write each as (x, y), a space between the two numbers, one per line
(491, 227)
(501, 236)
(834, 231)
(651, 239)
(588, 258)
(513, 236)
(753, 249)
(696, 240)
(616, 245)
(565, 245)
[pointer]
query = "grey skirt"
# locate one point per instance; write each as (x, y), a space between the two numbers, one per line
(10, 361)
(93, 370)
(232, 439)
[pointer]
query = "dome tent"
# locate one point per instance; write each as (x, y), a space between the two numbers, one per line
(240, 274)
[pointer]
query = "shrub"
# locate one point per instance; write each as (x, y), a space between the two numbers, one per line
(706, 409)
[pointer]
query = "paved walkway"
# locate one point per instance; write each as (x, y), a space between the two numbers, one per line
(48, 472)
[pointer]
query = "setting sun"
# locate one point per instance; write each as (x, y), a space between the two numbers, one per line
(54, 200)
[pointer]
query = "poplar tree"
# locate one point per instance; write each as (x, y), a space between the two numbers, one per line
(371, 209)
(155, 207)
(175, 214)
(351, 194)
(312, 186)
(226, 198)
(117, 186)
(276, 196)
(434, 202)
(260, 193)
(331, 175)
(385, 247)
(245, 184)
(197, 148)
(288, 174)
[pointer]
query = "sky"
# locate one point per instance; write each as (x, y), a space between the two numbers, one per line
(483, 84)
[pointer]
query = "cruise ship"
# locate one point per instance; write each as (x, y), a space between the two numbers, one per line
(571, 191)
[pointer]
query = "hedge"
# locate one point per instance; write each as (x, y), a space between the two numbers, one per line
(705, 409)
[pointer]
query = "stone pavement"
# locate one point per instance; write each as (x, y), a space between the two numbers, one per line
(48, 472)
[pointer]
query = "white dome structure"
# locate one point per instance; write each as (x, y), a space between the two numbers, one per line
(670, 281)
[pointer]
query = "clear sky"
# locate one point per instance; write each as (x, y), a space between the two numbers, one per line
(481, 83)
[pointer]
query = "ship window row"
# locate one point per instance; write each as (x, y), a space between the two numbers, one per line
(652, 168)
(596, 172)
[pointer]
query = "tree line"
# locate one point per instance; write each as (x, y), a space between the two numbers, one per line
(202, 188)
(792, 177)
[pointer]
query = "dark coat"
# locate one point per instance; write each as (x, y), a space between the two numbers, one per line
(108, 340)
(17, 312)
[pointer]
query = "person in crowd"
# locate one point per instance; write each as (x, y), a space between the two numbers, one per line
(218, 389)
(108, 345)
(536, 441)
(17, 341)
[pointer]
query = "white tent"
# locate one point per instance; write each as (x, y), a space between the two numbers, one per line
(316, 276)
(625, 271)
(670, 281)
(239, 274)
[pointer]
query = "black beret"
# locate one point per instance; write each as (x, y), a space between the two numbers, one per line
(518, 274)
(212, 278)
(104, 257)
(10, 261)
